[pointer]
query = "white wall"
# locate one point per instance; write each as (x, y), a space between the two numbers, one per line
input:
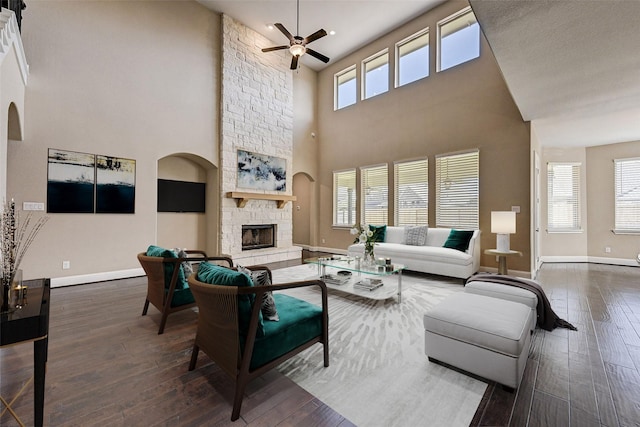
(129, 79)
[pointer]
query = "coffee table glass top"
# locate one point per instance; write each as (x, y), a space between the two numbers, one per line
(354, 264)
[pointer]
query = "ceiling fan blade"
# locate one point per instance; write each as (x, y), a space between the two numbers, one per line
(315, 36)
(294, 62)
(317, 55)
(286, 32)
(271, 49)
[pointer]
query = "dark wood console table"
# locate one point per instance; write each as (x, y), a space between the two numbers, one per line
(31, 323)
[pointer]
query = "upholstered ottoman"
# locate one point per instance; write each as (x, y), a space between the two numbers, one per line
(486, 336)
(511, 293)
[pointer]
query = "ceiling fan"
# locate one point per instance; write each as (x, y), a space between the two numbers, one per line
(298, 45)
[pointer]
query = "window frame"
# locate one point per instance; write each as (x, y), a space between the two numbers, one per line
(364, 178)
(574, 200)
(635, 176)
(443, 218)
(363, 71)
(336, 86)
(415, 165)
(351, 206)
(398, 56)
(446, 21)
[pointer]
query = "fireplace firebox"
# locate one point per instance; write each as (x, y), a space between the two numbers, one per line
(258, 236)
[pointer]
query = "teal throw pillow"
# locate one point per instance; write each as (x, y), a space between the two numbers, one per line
(379, 232)
(222, 276)
(459, 239)
(157, 251)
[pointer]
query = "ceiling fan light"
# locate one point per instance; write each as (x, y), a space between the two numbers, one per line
(297, 50)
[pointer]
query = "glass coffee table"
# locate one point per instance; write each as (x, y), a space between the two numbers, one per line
(353, 276)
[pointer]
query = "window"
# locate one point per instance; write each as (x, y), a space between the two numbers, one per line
(411, 193)
(457, 190)
(412, 58)
(345, 88)
(375, 194)
(376, 75)
(627, 176)
(344, 197)
(458, 39)
(563, 204)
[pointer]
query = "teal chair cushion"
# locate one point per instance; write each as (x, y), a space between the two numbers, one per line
(222, 276)
(157, 251)
(300, 322)
(182, 297)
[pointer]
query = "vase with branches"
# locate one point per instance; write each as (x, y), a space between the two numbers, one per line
(16, 237)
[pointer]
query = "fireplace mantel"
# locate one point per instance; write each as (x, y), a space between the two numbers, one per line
(243, 198)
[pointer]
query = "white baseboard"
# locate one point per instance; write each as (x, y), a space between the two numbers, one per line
(595, 260)
(57, 282)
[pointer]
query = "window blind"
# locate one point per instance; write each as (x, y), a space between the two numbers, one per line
(563, 190)
(457, 190)
(627, 204)
(375, 195)
(412, 193)
(344, 197)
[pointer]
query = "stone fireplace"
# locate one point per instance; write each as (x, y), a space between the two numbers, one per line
(255, 117)
(258, 236)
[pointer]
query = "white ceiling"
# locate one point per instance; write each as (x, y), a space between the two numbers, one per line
(356, 22)
(572, 66)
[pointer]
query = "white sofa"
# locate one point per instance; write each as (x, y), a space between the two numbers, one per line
(430, 258)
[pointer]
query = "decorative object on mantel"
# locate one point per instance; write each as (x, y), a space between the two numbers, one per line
(364, 234)
(16, 238)
(261, 172)
(243, 198)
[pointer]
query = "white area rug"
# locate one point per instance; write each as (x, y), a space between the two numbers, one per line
(379, 374)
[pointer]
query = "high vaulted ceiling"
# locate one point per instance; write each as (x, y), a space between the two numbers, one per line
(356, 22)
(572, 66)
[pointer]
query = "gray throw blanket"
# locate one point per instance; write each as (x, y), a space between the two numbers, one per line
(547, 318)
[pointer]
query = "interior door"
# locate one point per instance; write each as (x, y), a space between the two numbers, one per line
(536, 215)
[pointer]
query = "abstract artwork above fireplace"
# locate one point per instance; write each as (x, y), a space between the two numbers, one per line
(261, 172)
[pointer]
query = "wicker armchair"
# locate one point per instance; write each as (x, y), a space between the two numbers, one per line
(167, 289)
(245, 355)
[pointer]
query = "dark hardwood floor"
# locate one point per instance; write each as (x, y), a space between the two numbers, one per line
(108, 366)
(589, 377)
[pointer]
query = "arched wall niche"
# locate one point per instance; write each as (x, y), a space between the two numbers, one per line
(14, 125)
(190, 230)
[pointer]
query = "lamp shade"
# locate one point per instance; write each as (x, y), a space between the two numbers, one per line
(503, 222)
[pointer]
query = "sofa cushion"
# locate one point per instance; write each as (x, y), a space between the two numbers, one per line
(426, 254)
(459, 239)
(300, 322)
(394, 235)
(379, 232)
(416, 235)
(222, 276)
(157, 251)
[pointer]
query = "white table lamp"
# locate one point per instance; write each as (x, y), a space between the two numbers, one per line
(503, 223)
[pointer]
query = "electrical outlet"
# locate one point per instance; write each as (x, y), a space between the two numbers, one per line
(323, 240)
(66, 265)
(607, 249)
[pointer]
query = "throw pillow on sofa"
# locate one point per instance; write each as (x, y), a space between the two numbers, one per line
(261, 278)
(459, 239)
(379, 232)
(416, 235)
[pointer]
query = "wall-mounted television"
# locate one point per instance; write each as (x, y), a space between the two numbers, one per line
(181, 196)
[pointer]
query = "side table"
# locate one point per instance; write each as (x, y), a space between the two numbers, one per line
(502, 258)
(30, 324)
